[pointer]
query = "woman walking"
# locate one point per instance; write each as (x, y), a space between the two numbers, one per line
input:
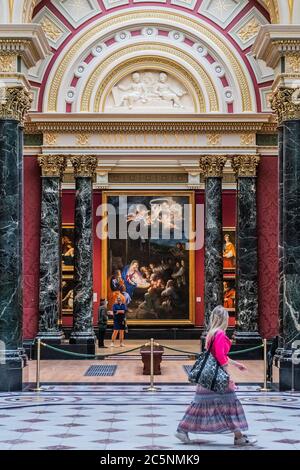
(212, 412)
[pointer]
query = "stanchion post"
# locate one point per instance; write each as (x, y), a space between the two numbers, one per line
(265, 388)
(38, 387)
(152, 387)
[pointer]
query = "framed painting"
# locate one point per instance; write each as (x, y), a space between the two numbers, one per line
(229, 249)
(67, 248)
(150, 266)
(67, 295)
(229, 288)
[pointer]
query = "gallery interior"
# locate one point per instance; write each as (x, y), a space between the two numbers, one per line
(149, 152)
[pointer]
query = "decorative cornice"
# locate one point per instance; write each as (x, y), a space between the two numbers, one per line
(52, 165)
(212, 165)
(26, 40)
(274, 41)
(84, 165)
(116, 127)
(15, 103)
(245, 165)
(286, 103)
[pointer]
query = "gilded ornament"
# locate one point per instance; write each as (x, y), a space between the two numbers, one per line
(84, 165)
(14, 103)
(249, 30)
(293, 62)
(244, 165)
(51, 30)
(213, 139)
(212, 165)
(247, 139)
(50, 139)
(52, 165)
(8, 63)
(286, 104)
(82, 139)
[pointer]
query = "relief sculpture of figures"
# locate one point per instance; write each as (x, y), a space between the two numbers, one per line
(150, 89)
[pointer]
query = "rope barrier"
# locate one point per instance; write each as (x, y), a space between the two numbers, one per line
(152, 388)
(190, 353)
(91, 356)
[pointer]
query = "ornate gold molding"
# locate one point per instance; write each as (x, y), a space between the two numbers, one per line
(52, 165)
(15, 103)
(116, 127)
(244, 165)
(286, 103)
(200, 28)
(84, 165)
(212, 165)
(8, 62)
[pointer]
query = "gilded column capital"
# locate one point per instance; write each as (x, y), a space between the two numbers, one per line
(244, 165)
(286, 103)
(15, 102)
(52, 166)
(212, 165)
(84, 165)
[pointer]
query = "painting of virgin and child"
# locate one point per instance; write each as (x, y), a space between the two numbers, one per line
(150, 275)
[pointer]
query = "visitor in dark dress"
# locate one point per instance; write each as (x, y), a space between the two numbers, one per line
(119, 311)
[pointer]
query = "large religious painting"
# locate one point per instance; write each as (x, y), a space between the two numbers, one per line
(147, 261)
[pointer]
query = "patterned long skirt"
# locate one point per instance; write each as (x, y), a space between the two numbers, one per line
(212, 412)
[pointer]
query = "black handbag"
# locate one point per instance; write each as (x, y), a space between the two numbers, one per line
(208, 373)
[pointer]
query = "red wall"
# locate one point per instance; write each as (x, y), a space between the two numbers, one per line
(68, 207)
(267, 245)
(267, 207)
(31, 244)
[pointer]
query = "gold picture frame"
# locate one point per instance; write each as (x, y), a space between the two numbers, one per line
(67, 295)
(67, 251)
(191, 255)
(229, 264)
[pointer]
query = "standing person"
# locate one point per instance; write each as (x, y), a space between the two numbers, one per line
(212, 412)
(119, 310)
(102, 322)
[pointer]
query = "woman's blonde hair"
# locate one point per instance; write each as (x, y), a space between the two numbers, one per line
(218, 321)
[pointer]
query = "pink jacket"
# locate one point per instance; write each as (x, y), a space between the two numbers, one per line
(221, 347)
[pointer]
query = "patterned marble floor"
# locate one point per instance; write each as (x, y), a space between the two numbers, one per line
(106, 417)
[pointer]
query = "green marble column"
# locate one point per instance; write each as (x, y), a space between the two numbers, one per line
(84, 170)
(53, 167)
(212, 169)
(12, 110)
(246, 333)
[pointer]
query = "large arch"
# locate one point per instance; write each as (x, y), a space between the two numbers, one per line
(63, 69)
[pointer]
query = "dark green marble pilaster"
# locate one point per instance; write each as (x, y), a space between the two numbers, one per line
(11, 254)
(50, 260)
(213, 246)
(290, 233)
(83, 263)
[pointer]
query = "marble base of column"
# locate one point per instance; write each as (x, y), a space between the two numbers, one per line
(11, 371)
